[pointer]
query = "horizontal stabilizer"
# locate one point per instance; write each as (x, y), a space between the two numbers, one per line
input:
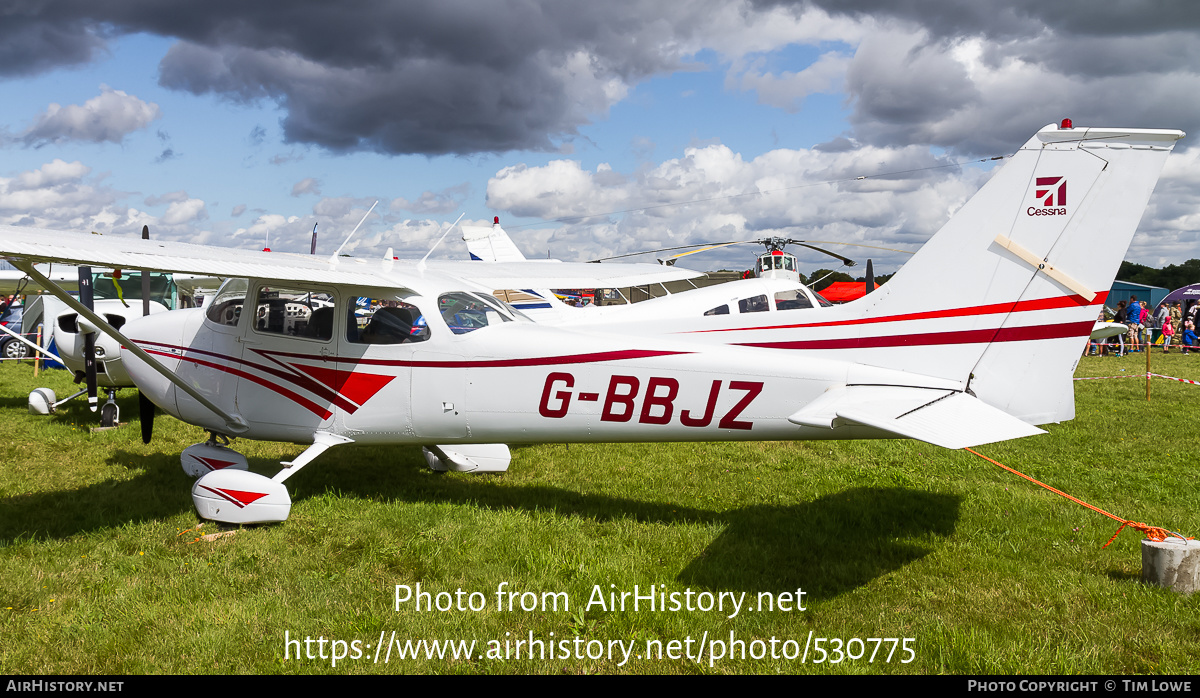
(1104, 330)
(944, 418)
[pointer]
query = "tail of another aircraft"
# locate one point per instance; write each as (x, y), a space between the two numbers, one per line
(490, 244)
(1005, 294)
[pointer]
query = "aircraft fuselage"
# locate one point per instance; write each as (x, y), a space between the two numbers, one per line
(509, 382)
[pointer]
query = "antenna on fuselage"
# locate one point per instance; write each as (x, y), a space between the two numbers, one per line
(421, 264)
(333, 259)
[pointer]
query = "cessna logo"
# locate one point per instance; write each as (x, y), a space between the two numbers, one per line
(1051, 193)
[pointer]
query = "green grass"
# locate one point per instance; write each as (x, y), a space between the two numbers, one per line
(100, 571)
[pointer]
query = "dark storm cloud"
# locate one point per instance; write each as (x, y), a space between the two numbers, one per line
(422, 76)
(1129, 62)
(1016, 18)
(462, 76)
(32, 43)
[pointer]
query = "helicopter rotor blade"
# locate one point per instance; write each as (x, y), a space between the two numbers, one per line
(845, 260)
(670, 261)
(669, 249)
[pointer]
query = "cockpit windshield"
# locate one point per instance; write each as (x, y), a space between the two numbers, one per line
(128, 287)
(467, 312)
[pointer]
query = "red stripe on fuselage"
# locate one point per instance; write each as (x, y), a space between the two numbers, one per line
(503, 363)
(300, 380)
(1004, 334)
(307, 382)
(304, 402)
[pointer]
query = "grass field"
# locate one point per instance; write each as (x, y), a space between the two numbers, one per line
(101, 570)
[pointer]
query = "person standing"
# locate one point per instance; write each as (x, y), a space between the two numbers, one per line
(1121, 316)
(1135, 317)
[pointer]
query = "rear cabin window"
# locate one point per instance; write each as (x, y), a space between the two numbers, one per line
(755, 304)
(385, 321)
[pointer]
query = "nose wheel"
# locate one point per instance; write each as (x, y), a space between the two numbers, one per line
(110, 414)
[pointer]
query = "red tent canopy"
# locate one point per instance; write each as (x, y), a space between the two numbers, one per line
(844, 291)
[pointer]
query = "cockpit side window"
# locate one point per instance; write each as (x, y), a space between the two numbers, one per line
(719, 310)
(226, 308)
(384, 321)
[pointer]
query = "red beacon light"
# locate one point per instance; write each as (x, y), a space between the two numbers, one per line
(266, 249)
(1066, 123)
(495, 220)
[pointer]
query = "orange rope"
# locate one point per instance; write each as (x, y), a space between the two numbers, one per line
(1154, 533)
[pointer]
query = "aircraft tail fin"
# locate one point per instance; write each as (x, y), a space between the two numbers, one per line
(1006, 293)
(490, 244)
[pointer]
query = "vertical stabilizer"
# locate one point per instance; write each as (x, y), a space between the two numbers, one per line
(490, 244)
(1006, 293)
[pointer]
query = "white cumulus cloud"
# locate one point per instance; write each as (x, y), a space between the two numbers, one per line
(108, 117)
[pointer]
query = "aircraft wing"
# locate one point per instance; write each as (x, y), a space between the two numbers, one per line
(120, 252)
(132, 252)
(946, 418)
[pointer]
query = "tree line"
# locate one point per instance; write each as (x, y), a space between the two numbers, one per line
(1172, 276)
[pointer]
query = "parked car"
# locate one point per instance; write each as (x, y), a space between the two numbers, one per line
(10, 348)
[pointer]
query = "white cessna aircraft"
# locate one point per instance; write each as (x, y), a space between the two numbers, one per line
(973, 341)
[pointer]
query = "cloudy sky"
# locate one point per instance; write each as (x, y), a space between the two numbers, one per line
(591, 129)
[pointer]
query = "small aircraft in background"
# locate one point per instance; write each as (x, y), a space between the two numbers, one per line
(95, 359)
(974, 340)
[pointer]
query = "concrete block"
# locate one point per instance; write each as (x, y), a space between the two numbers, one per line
(1172, 563)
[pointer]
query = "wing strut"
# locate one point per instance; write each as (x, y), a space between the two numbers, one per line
(234, 422)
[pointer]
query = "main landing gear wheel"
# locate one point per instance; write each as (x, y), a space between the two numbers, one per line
(231, 494)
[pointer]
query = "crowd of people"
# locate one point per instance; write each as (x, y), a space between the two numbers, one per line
(1169, 321)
